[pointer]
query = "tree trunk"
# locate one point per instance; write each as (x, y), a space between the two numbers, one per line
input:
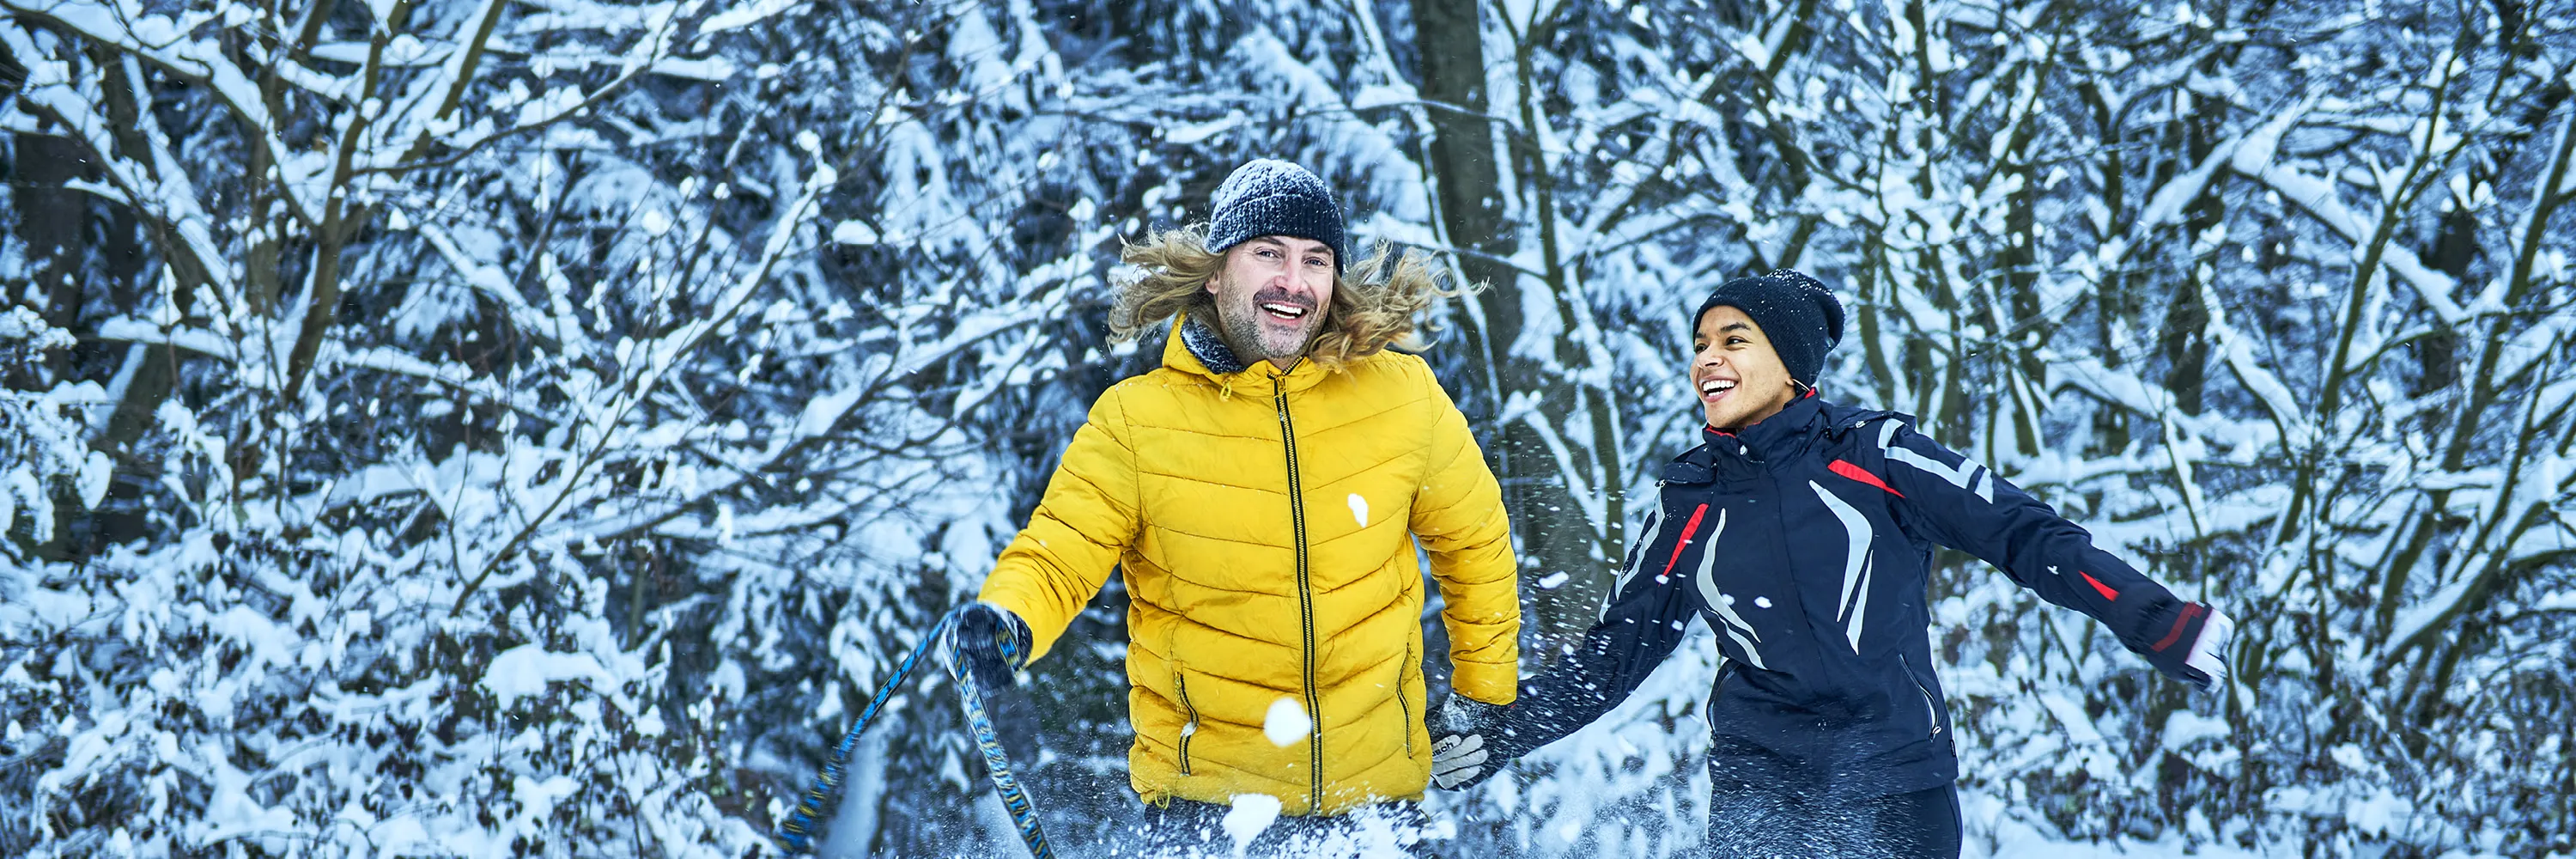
(53, 221)
(1552, 536)
(2185, 338)
(2437, 356)
(154, 370)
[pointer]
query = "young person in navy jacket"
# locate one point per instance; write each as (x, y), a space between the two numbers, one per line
(1801, 532)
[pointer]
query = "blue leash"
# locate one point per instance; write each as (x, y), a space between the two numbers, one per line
(796, 835)
(1023, 814)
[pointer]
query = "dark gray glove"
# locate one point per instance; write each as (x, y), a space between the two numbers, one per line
(1463, 751)
(995, 642)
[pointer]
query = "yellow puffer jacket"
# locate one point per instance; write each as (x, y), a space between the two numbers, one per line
(1266, 522)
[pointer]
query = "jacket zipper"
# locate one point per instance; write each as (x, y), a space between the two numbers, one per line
(1725, 669)
(1928, 708)
(1182, 685)
(1305, 597)
(1404, 671)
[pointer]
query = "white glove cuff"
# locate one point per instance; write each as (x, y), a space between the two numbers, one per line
(2209, 653)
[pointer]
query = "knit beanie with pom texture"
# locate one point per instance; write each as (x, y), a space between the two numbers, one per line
(1268, 197)
(1799, 315)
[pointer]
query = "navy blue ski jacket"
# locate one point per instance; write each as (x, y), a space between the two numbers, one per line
(1805, 542)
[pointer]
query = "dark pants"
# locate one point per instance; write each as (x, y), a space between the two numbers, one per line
(1189, 830)
(1756, 823)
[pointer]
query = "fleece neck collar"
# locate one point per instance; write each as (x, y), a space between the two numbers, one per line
(1196, 349)
(1207, 346)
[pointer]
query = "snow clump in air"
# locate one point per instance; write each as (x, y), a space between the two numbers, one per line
(1287, 722)
(1250, 814)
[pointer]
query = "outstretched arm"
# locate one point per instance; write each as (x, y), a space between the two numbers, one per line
(1961, 504)
(1458, 516)
(1645, 615)
(1084, 522)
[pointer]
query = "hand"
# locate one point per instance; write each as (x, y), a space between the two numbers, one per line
(1461, 755)
(995, 643)
(2209, 652)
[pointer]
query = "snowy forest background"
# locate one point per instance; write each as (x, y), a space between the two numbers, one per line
(481, 428)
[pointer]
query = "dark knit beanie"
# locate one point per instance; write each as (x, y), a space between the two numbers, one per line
(1267, 197)
(1800, 316)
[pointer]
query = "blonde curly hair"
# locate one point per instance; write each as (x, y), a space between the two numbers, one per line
(1375, 301)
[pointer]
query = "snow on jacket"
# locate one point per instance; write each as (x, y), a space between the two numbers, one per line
(1804, 543)
(1266, 523)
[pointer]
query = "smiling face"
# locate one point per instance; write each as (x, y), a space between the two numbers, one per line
(1738, 377)
(1271, 295)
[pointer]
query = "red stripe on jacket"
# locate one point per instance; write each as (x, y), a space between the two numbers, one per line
(1846, 469)
(1678, 545)
(2188, 612)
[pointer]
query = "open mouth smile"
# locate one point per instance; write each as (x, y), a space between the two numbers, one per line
(1283, 312)
(1711, 390)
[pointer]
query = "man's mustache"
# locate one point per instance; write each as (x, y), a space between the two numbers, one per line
(1281, 296)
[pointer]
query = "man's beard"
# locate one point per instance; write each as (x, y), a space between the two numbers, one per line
(1243, 332)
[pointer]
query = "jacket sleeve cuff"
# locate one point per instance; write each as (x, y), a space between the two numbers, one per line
(2174, 632)
(1496, 684)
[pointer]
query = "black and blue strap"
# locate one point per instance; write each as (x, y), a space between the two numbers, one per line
(796, 834)
(1024, 816)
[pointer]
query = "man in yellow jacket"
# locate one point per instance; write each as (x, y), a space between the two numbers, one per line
(1264, 491)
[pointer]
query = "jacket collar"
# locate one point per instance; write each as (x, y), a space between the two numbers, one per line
(1775, 436)
(1195, 348)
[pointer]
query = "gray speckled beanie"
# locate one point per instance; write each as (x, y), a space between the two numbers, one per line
(1268, 197)
(1800, 316)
